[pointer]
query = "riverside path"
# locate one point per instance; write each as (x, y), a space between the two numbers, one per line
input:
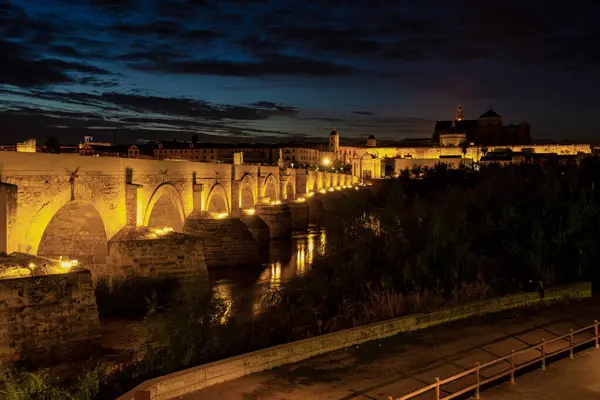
(400, 364)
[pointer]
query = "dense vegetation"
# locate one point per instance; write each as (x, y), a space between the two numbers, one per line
(452, 236)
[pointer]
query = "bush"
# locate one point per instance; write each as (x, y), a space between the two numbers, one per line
(132, 296)
(23, 385)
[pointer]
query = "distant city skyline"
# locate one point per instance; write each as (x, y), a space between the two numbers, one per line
(288, 70)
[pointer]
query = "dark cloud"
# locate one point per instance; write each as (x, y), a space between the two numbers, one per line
(92, 81)
(277, 65)
(167, 106)
(350, 42)
(140, 115)
(116, 6)
(362, 113)
(157, 56)
(66, 51)
(20, 68)
(260, 47)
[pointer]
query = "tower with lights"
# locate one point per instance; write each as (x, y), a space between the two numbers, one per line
(459, 114)
(334, 143)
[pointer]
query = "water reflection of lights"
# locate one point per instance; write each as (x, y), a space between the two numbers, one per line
(301, 258)
(224, 293)
(322, 242)
(276, 273)
(311, 249)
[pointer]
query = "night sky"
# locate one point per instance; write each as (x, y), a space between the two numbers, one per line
(283, 70)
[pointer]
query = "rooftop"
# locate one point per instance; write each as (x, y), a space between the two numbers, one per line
(490, 114)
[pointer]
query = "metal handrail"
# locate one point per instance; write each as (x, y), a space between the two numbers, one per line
(541, 348)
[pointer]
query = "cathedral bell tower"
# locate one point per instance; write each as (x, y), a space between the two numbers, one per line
(334, 143)
(459, 114)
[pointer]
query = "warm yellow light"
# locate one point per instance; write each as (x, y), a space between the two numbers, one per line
(249, 211)
(222, 215)
(338, 188)
(160, 231)
(323, 191)
(301, 200)
(326, 161)
(356, 188)
(31, 265)
(330, 189)
(276, 202)
(310, 194)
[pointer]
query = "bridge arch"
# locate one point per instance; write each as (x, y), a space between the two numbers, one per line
(165, 208)
(247, 198)
(216, 201)
(290, 191)
(270, 188)
(76, 231)
(33, 235)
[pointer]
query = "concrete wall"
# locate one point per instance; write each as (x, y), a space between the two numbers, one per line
(180, 383)
(48, 318)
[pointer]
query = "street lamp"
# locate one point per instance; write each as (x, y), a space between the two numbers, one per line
(326, 161)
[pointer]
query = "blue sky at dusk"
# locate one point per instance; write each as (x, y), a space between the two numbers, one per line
(283, 70)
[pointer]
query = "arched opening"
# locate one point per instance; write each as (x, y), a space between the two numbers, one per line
(217, 200)
(165, 209)
(165, 214)
(75, 232)
(271, 188)
(247, 194)
(217, 204)
(290, 192)
(315, 188)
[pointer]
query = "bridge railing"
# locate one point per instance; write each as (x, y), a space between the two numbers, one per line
(540, 349)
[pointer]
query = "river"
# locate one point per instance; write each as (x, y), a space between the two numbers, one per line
(243, 290)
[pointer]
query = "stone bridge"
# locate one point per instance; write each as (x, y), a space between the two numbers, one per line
(67, 205)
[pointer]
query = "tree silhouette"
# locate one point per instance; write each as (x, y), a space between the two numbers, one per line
(52, 145)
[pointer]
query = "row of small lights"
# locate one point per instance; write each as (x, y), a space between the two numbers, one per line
(252, 211)
(65, 264)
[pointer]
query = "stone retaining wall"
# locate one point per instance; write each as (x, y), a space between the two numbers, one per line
(171, 255)
(259, 229)
(227, 242)
(279, 219)
(193, 379)
(299, 214)
(48, 318)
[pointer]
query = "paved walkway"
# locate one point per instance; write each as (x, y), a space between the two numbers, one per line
(408, 361)
(577, 379)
